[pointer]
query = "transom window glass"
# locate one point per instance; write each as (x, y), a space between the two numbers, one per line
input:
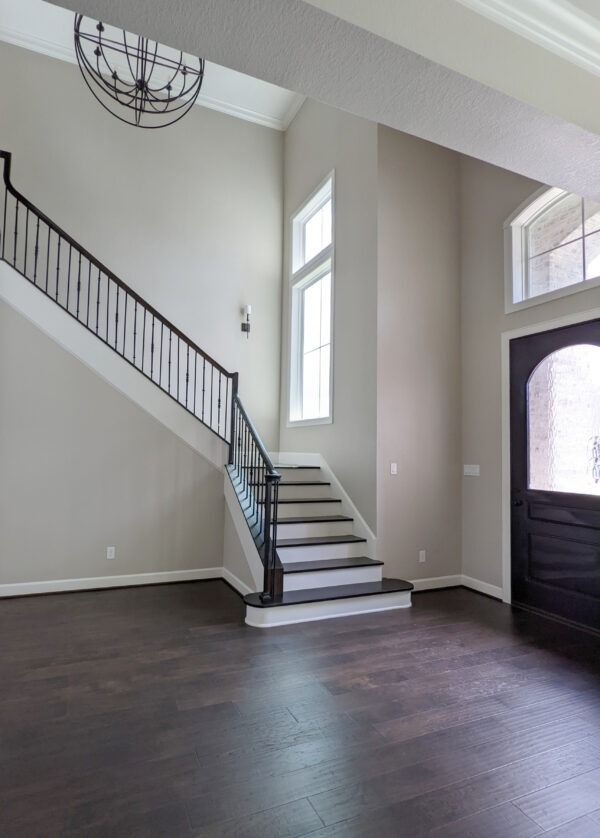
(563, 398)
(311, 308)
(555, 247)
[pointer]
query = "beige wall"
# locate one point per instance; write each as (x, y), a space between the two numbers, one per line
(418, 357)
(320, 140)
(190, 216)
(84, 468)
(489, 195)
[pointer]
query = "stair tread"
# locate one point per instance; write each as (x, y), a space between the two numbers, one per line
(385, 586)
(283, 465)
(304, 483)
(314, 519)
(331, 564)
(319, 539)
(310, 500)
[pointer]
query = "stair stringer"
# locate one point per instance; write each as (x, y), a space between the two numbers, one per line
(57, 324)
(242, 566)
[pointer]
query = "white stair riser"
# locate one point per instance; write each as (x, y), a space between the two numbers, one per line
(298, 510)
(312, 530)
(320, 551)
(318, 491)
(269, 617)
(326, 578)
(300, 473)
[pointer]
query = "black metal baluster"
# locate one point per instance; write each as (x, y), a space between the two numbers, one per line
(36, 251)
(195, 371)
(227, 385)
(57, 269)
(178, 373)
(89, 292)
(107, 305)
(16, 233)
(212, 387)
(162, 328)
(78, 285)
(4, 221)
(170, 344)
(219, 405)
(48, 258)
(134, 330)
(187, 374)
(152, 350)
(69, 277)
(26, 239)
(203, 384)
(98, 303)
(144, 339)
(125, 323)
(117, 319)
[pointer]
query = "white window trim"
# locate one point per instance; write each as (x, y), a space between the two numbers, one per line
(323, 262)
(515, 254)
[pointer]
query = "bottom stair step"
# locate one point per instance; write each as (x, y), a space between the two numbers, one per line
(324, 603)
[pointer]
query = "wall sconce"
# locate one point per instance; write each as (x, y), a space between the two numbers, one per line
(247, 310)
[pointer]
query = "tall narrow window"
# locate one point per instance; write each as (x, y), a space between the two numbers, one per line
(311, 308)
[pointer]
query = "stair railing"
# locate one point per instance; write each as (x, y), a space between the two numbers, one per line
(86, 289)
(68, 274)
(256, 483)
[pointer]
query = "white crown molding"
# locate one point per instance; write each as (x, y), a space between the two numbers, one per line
(55, 50)
(556, 25)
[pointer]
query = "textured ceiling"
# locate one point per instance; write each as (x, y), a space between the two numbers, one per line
(300, 47)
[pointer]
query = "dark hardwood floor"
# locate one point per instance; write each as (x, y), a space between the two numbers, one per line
(155, 711)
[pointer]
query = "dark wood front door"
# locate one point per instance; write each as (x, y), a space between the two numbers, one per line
(555, 472)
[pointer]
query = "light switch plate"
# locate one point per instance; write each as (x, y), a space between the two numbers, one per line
(394, 468)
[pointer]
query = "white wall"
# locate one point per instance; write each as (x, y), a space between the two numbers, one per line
(418, 357)
(84, 468)
(319, 140)
(189, 215)
(489, 195)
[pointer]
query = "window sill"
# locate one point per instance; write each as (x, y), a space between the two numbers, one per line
(511, 308)
(307, 423)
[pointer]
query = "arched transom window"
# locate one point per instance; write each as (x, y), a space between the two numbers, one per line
(553, 247)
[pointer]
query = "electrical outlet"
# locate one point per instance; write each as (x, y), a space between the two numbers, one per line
(422, 556)
(394, 468)
(111, 553)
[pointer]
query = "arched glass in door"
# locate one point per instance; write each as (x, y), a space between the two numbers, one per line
(563, 400)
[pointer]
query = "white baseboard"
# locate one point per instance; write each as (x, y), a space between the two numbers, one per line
(235, 582)
(483, 587)
(434, 582)
(90, 583)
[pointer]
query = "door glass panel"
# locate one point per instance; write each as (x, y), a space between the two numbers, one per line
(563, 396)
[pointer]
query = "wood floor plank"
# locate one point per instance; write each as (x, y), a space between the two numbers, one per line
(156, 711)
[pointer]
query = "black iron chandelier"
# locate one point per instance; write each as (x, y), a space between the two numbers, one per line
(138, 80)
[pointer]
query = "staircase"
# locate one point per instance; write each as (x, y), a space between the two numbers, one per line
(313, 557)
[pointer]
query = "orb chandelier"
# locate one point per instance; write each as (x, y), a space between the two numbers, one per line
(139, 81)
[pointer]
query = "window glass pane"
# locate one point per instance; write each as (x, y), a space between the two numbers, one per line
(317, 232)
(592, 215)
(592, 256)
(324, 382)
(557, 269)
(312, 317)
(564, 422)
(310, 384)
(557, 225)
(326, 309)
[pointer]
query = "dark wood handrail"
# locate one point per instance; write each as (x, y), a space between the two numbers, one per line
(6, 155)
(254, 433)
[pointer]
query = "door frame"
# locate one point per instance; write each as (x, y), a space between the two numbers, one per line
(505, 339)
